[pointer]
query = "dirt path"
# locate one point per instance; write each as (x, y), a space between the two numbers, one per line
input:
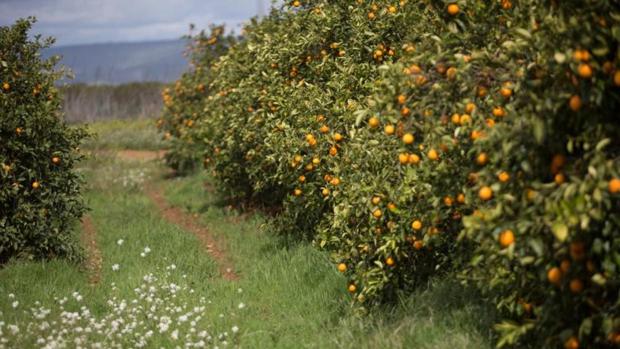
(140, 155)
(184, 220)
(94, 258)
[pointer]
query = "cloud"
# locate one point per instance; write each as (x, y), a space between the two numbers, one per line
(91, 21)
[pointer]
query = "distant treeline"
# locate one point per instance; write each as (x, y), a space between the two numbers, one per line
(86, 103)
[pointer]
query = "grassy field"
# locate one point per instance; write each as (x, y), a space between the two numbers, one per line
(160, 288)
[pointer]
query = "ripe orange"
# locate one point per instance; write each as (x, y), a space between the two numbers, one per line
(338, 137)
(416, 225)
(19, 131)
(571, 343)
(389, 130)
(403, 158)
(373, 122)
(333, 151)
(499, 112)
(470, 107)
(505, 92)
(448, 201)
(36, 185)
(576, 286)
(408, 138)
(503, 177)
(324, 129)
(451, 73)
(617, 78)
(390, 261)
(342, 267)
(614, 186)
(414, 159)
(485, 193)
(297, 192)
(325, 192)
(506, 238)
(456, 119)
(377, 213)
(453, 9)
(465, 119)
(418, 245)
(302, 179)
(575, 103)
(401, 99)
(6, 86)
(371, 15)
(460, 198)
(584, 70)
(391, 206)
(554, 275)
(405, 112)
(392, 9)
(375, 200)
(335, 181)
(559, 178)
(352, 288)
(482, 159)
(56, 160)
(433, 155)
(565, 266)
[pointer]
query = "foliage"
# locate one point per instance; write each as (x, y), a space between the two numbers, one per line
(413, 138)
(39, 190)
(184, 101)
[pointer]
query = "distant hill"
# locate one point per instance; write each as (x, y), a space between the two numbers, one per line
(119, 63)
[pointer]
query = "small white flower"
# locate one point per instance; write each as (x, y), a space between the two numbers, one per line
(116, 267)
(11, 296)
(239, 290)
(120, 242)
(241, 305)
(235, 329)
(142, 254)
(147, 249)
(15, 304)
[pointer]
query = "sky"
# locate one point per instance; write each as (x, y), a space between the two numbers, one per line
(74, 22)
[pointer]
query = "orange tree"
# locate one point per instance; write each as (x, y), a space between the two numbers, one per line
(39, 189)
(412, 138)
(184, 100)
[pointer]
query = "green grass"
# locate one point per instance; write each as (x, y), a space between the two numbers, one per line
(136, 134)
(294, 297)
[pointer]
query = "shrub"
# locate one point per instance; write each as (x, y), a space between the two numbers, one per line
(40, 191)
(415, 138)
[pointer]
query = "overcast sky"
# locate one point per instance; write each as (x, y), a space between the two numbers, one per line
(93, 21)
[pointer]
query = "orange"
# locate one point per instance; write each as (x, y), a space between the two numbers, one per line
(554, 275)
(482, 159)
(505, 92)
(333, 151)
(391, 206)
(485, 193)
(35, 185)
(56, 160)
(389, 130)
(418, 245)
(414, 159)
(565, 266)
(338, 137)
(324, 129)
(408, 138)
(433, 155)
(392, 9)
(390, 261)
(375, 200)
(352, 288)
(6, 86)
(18, 130)
(575, 103)
(448, 201)
(614, 186)
(503, 177)
(403, 158)
(465, 119)
(584, 70)
(298, 158)
(460, 198)
(297, 192)
(296, 3)
(576, 286)
(373, 122)
(577, 250)
(342, 267)
(405, 112)
(416, 225)
(617, 78)
(499, 112)
(377, 213)
(371, 15)
(456, 119)
(470, 107)
(453, 9)
(335, 181)
(401, 99)
(325, 192)
(571, 343)
(302, 179)
(506, 238)
(451, 73)
(559, 178)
